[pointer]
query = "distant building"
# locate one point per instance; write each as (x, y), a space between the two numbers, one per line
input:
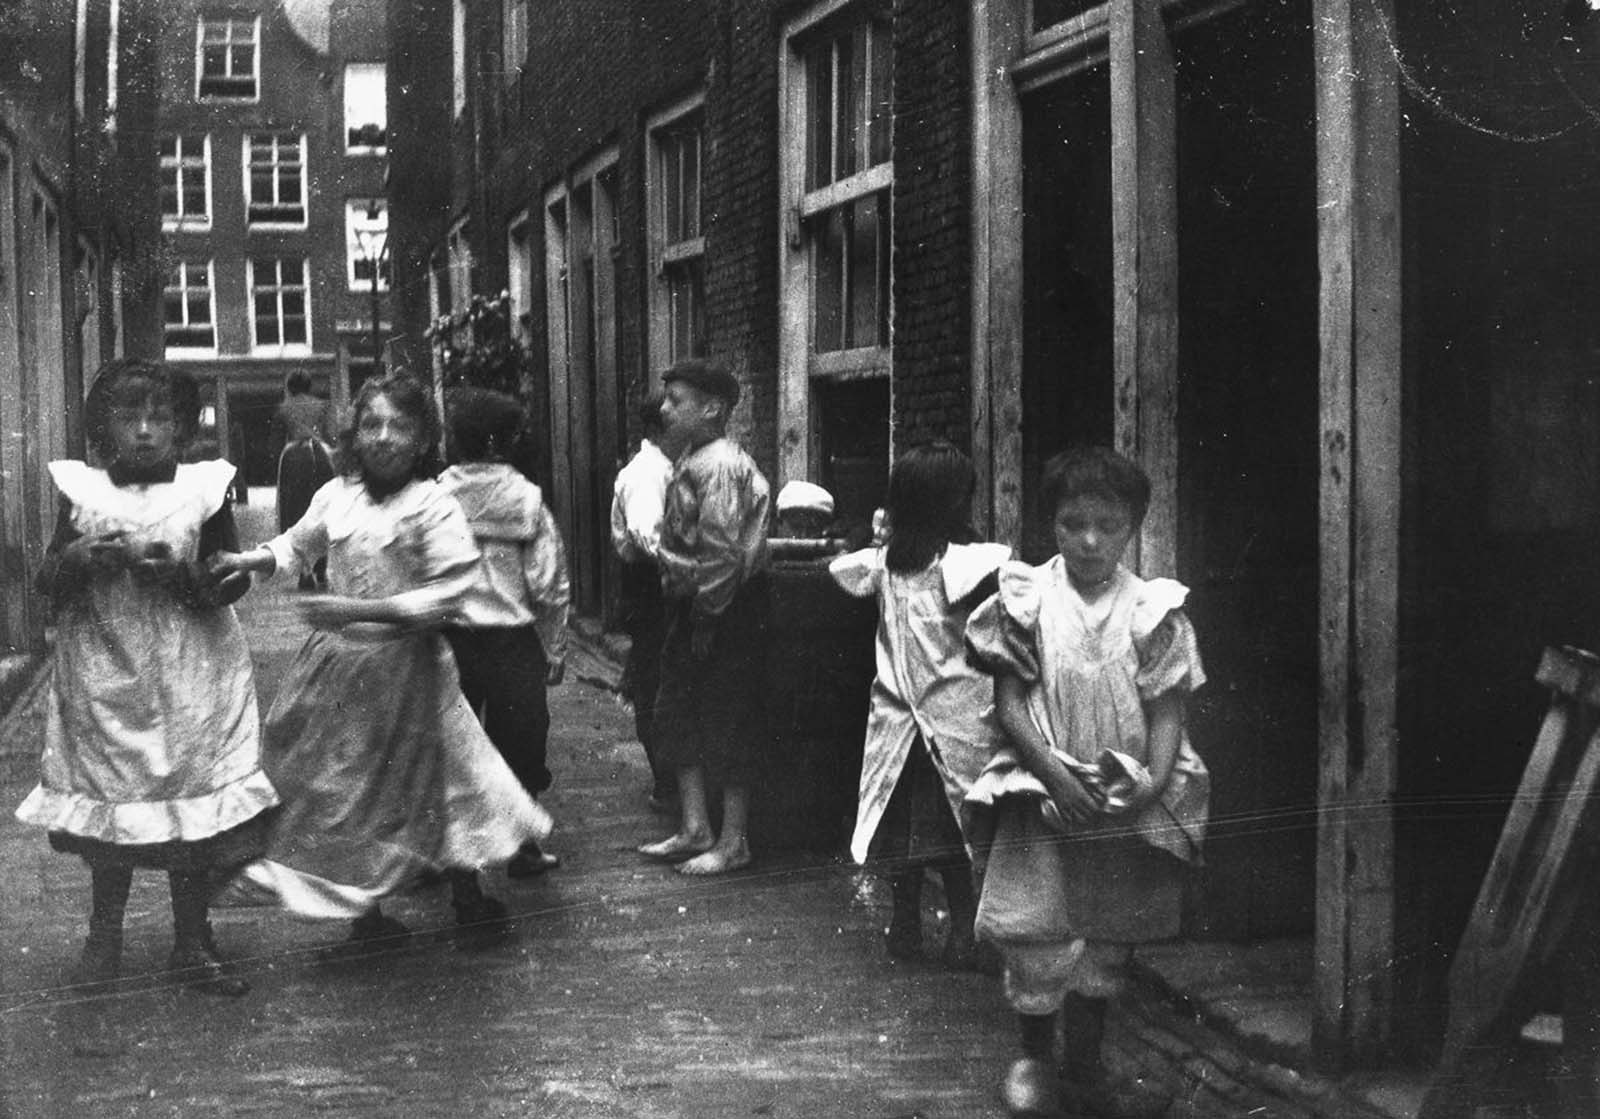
(75, 127)
(273, 149)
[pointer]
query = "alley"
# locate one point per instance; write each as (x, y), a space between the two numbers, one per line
(623, 990)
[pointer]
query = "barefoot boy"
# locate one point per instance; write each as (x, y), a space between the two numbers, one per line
(710, 724)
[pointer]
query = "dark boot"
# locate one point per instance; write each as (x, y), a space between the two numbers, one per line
(194, 960)
(1090, 1089)
(101, 961)
(904, 939)
(474, 909)
(1030, 1089)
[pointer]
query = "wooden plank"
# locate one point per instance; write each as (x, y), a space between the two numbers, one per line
(794, 303)
(1359, 258)
(1144, 224)
(998, 30)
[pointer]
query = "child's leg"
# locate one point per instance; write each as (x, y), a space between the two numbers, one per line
(694, 834)
(1036, 981)
(1099, 976)
(102, 951)
(732, 848)
(192, 955)
(960, 948)
(905, 919)
(472, 905)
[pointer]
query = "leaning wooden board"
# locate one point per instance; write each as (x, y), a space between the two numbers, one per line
(1546, 855)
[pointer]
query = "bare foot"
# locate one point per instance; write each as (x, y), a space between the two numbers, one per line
(718, 860)
(676, 848)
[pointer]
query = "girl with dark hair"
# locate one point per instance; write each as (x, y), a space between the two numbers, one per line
(930, 728)
(152, 748)
(384, 770)
(1087, 819)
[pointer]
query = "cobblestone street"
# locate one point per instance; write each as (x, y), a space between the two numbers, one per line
(623, 989)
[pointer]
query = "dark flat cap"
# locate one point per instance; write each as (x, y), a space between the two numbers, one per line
(713, 380)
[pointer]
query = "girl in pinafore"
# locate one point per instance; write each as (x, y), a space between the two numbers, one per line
(384, 770)
(1089, 818)
(931, 725)
(152, 748)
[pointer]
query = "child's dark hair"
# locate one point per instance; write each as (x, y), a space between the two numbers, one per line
(1095, 472)
(297, 383)
(412, 398)
(128, 380)
(651, 422)
(928, 505)
(484, 425)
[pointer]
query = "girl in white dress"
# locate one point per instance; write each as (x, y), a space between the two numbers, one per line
(152, 748)
(384, 770)
(931, 725)
(1090, 816)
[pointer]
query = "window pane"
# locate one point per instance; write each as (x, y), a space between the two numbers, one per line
(864, 239)
(194, 197)
(214, 62)
(851, 80)
(198, 305)
(827, 265)
(294, 303)
(819, 116)
(1047, 12)
(672, 186)
(881, 111)
(294, 331)
(172, 307)
(691, 183)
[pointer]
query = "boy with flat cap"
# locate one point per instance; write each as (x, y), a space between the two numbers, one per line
(709, 720)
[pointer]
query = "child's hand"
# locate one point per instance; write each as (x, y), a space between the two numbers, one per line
(102, 553)
(555, 673)
(223, 564)
(156, 566)
(1071, 797)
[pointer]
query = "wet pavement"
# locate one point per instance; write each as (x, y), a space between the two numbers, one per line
(621, 990)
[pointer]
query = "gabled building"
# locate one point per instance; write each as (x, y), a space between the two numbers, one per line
(75, 127)
(273, 151)
(1321, 266)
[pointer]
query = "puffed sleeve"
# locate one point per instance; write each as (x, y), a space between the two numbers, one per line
(210, 482)
(859, 574)
(1163, 636)
(1003, 632)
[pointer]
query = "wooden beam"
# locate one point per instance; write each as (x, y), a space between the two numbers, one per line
(1144, 225)
(999, 28)
(1358, 214)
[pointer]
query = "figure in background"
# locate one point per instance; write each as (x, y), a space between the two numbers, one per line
(931, 726)
(1086, 823)
(303, 424)
(152, 745)
(710, 719)
(638, 503)
(510, 634)
(384, 770)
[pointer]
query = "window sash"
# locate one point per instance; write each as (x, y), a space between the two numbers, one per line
(280, 305)
(849, 92)
(359, 266)
(186, 179)
(849, 251)
(275, 179)
(366, 109)
(189, 322)
(227, 57)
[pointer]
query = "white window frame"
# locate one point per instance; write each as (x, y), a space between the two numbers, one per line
(181, 162)
(665, 256)
(381, 119)
(458, 56)
(514, 38)
(799, 365)
(277, 289)
(183, 287)
(278, 147)
(230, 22)
(355, 219)
(520, 241)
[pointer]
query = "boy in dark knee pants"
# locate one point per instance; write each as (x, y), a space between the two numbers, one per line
(511, 640)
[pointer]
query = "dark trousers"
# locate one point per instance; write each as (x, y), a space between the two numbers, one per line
(502, 676)
(644, 620)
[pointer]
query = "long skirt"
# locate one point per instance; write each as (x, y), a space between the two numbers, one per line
(384, 773)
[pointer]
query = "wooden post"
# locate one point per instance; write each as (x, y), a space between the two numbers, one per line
(1144, 225)
(998, 28)
(1358, 220)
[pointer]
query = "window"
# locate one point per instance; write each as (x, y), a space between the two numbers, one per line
(366, 243)
(186, 181)
(275, 179)
(514, 39)
(677, 244)
(188, 311)
(458, 55)
(836, 184)
(278, 306)
(366, 113)
(227, 57)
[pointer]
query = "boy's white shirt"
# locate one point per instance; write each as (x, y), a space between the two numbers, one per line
(522, 578)
(638, 503)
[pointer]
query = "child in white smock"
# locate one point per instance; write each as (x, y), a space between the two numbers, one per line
(384, 770)
(931, 725)
(1089, 818)
(152, 745)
